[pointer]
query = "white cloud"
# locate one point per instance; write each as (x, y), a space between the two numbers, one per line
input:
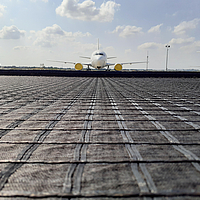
(127, 31)
(80, 34)
(52, 35)
(53, 30)
(46, 1)
(87, 11)
(128, 51)
(80, 48)
(155, 29)
(151, 45)
(24, 48)
(2, 10)
(175, 14)
(175, 41)
(11, 32)
(110, 49)
(186, 25)
(191, 47)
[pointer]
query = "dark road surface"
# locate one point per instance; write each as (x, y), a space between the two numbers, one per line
(99, 138)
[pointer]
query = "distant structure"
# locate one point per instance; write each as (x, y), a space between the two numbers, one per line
(42, 65)
(167, 46)
(147, 66)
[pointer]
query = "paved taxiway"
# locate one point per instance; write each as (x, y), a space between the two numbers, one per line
(99, 138)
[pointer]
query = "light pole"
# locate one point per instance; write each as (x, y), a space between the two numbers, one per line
(167, 46)
(147, 66)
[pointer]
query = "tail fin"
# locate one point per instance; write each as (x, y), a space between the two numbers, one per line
(98, 44)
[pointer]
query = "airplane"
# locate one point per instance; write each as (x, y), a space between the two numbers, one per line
(98, 60)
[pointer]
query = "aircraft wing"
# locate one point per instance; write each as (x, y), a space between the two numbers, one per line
(88, 64)
(111, 57)
(65, 62)
(130, 63)
(110, 64)
(124, 63)
(87, 57)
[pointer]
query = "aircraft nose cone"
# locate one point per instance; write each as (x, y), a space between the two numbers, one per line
(100, 61)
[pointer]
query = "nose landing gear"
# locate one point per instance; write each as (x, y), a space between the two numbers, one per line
(88, 69)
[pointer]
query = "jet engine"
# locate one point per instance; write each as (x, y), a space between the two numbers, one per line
(78, 66)
(118, 67)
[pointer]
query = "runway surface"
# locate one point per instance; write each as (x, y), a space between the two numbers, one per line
(99, 138)
(99, 73)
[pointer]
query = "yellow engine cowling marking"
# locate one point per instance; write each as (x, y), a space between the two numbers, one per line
(78, 66)
(118, 67)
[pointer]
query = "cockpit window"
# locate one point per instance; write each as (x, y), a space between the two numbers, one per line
(101, 54)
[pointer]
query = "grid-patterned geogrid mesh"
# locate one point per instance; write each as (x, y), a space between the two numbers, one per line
(99, 138)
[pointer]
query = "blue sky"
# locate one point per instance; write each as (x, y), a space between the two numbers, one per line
(34, 31)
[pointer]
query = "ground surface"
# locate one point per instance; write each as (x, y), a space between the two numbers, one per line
(99, 138)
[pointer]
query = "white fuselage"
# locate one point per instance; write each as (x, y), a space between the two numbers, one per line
(98, 59)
